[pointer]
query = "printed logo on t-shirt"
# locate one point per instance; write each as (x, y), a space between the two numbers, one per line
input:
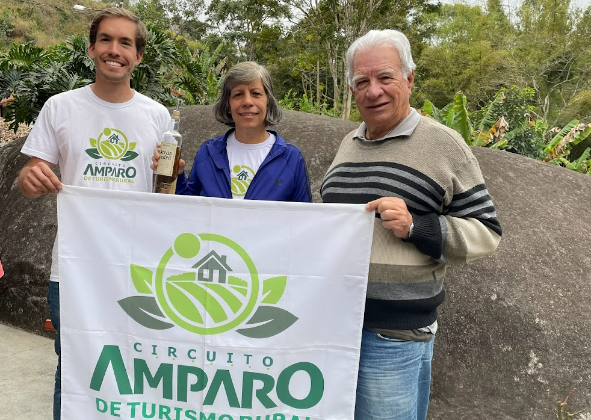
(242, 176)
(112, 145)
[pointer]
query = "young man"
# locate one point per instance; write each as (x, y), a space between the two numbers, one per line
(424, 183)
(101, 136)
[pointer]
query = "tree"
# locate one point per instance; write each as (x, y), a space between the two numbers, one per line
(185, 18)
(181, 17)
(152, 12)
(328, 27)
(244, 21)
(553, 46)
(466, 53)
(336, 23)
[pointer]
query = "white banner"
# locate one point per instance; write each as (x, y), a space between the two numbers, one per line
(193, 308)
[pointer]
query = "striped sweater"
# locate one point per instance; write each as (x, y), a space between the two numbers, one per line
(438, 177)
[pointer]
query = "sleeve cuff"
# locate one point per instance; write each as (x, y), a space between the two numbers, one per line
(426, 235)
(181, 183)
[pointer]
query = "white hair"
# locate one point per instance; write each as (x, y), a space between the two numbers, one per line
(385, 37)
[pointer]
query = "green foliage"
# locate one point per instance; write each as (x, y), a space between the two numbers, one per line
(524, 133)
(31, 74)
(519, 74)
(563, 414)
(456, 116)
(73, 53)
(476, 49)
(245, 22)
(35, 86)
(43, 22)
(559, 149)
(466, 54)
(152, 12)
(560, 140)
(181, 17)
(6, 27)
(22, 56)
(543, 46)
(201, 74)
(582, 164)
(306, 104)
(157, 65)
(506, 123)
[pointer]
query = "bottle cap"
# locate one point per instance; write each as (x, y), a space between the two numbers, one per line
(176, 115)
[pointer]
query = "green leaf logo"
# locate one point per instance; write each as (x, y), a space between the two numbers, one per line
(112, 144)
(141, 278)
(145, 311)
(129, 156)
(193, 287)
(267, 322)
(93, 153)
(273, 289)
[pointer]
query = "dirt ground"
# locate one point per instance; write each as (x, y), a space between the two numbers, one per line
(7, 135)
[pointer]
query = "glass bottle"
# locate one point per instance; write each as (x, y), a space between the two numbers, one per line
(170, 153)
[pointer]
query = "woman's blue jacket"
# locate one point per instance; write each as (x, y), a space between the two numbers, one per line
(283, 175)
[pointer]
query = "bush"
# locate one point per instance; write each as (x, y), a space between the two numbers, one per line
(31, 74)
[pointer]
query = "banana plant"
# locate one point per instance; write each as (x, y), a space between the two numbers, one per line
(570, 135)
(495, 136)
(491, 128)
(201, 74)
(558, 150)
(455, 115)
(582, 164)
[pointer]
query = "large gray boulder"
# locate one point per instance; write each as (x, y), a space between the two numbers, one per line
(514, 331)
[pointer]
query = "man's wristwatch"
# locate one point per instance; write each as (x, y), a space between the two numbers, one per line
(412, 225)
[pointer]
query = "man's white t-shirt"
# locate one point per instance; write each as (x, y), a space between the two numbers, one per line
(245, 160)
(98, 144)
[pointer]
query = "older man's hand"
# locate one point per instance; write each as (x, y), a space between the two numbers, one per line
(394, 213)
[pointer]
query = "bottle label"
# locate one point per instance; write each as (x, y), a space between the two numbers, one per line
(167, 157)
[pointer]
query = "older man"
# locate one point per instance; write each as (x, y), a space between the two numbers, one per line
(426, 186)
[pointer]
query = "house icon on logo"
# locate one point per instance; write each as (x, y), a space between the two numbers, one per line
(212, 268)
(114, 139)
(243, 175)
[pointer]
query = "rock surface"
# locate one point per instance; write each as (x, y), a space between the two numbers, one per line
(514, 337)
(514, 331)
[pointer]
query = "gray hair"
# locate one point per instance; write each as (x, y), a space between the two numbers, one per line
(385, 37)
(245, 73)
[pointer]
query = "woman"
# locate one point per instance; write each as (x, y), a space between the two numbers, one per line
(248, 162)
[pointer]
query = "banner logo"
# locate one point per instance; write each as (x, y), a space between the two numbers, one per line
(112, 144)
(241, 178)
(207, 284)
